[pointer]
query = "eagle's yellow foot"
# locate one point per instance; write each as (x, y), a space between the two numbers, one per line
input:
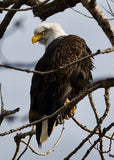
(67, 101)
(67, 117)
(72, 112)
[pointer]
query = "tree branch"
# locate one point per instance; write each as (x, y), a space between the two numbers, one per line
(93, 8)
(103, 133)
(87, 129)
(4, 24)
(109, 50)
(4, 112)
(92, 87)
(47, 10)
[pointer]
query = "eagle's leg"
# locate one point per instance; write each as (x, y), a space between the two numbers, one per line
(71, 112)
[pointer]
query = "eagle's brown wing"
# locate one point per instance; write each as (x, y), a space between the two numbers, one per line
(49, 91)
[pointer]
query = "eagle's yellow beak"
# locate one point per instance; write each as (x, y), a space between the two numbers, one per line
(36, 38)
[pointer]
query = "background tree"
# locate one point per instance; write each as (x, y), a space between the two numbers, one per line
(94, 137)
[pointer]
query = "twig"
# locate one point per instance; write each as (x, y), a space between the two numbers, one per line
(23, 135)
(86, 139)
(101, 134)
(102, 118)
(82, 143)
(87, 129)
(110, 145)
(97, 120)
(76, 10)
(24, 9)
(100, 17)
(17, 150)
(61, 67)
(111, 155)
(95, 142)
(80, 125)
(49, 151)
(2, 106)
(111, 12)
(25, 148)
(107, 103)
(18, 138)
(93, 107)
(4, 112)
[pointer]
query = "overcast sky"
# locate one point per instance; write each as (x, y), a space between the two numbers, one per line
(17, 47)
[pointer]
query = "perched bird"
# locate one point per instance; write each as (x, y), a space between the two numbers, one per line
(50, 91)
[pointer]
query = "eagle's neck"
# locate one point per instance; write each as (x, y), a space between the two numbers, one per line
(54, 36)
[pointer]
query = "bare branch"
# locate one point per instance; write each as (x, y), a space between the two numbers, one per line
(103, 133)
(25, 148)
(17, 150)
(107, 89)
(111, 155)
(100, 17)
(111, 12)
(86, 139)
(49, 151)
(6, 3)
(87, 129)
(110, 145)
(109, 50)
(24, 135)
(4, 112)
(76, 10)
(82, 143)
(97, 120)
(18, 10)
(94, 86)
(4, 24)
(93, 107)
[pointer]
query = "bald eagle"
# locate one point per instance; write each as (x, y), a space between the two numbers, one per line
(49, 91)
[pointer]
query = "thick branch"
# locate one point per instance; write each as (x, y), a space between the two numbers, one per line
(47, 10)
(96, 85)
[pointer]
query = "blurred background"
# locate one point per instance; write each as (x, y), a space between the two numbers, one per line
(16, 49)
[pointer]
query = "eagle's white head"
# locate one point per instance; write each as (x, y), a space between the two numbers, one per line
(45, 33)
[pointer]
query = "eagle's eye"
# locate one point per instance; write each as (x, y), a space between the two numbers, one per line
(43, 32)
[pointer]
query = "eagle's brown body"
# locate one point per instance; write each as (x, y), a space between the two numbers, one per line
(49, 91)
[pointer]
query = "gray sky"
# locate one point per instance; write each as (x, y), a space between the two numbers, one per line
(16, 85)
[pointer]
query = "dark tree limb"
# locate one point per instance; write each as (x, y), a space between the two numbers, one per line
(46, 10)
(4, 24)
(6, 3)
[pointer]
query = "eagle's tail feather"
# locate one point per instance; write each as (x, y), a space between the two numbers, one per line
(44, 130)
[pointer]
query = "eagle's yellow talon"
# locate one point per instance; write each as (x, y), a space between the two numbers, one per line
(67, 117)
(67, 101)
(73, 111)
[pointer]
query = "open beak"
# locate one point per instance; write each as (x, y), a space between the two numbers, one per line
(36, 38)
